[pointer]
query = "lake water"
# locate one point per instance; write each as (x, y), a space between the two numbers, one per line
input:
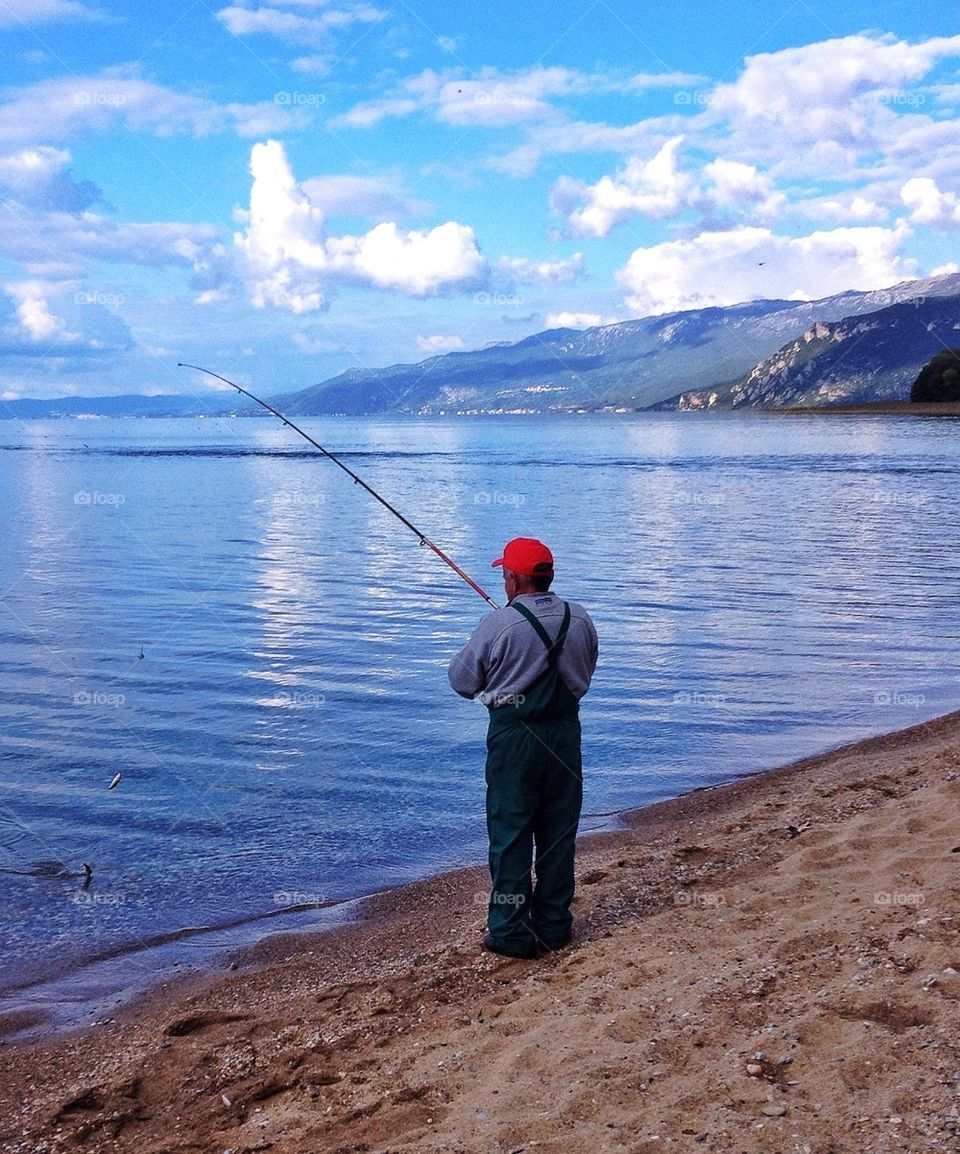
(214, 611)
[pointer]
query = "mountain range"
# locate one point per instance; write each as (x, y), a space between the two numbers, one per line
(853, 347)
(218, 404)
(651, 362)
(860, 359)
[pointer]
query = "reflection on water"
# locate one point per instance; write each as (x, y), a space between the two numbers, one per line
(260, 648)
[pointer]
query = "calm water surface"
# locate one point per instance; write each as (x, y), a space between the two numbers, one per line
(217, 613)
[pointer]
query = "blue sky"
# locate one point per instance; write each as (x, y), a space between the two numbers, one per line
(282, 189)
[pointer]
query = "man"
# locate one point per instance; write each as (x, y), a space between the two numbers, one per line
(530, 664)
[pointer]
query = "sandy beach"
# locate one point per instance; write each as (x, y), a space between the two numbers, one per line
(771, 965)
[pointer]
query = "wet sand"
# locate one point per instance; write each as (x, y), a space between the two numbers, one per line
(771, 965)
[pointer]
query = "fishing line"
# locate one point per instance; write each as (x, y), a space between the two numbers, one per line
(424, 539)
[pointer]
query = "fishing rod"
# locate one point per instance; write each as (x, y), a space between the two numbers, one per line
(424, 539)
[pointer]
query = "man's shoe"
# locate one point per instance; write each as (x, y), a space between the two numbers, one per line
(495, 946)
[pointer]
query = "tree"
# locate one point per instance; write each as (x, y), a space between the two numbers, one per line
(939, 379)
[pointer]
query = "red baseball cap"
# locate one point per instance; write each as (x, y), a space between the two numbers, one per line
(526, 556)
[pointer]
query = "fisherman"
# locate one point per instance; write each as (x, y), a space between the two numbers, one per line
(530, 663)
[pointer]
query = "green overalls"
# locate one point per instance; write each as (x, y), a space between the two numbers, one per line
(534, 792)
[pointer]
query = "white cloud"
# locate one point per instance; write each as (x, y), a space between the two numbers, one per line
(26, 167)
(852, 209)
(292, 27)
(574, 137)
(529, 101)
(316, 64)
(56, 319)
(283, 244)
(370, 114)
(724, 268)
(655, 188)
(578, 320)
(928, 205)
(814, 90)
(33, 313)
(289, 257)
(848, 109)
(62, 244)
(489, 99)
(644, 81)
(268, 116)
(363, 196)
(658, 188)
(52, 235)
(493, 98)
(851, 94)
(419, 263)
(50, 232)
(38, 177)
(543, 272)
(739, 187)
(438, 343)
(56, 109)
(25, 13)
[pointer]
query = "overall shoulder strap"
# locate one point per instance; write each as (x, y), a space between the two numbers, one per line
(553, 647)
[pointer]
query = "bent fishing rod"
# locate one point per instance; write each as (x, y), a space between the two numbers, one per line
(424, 539)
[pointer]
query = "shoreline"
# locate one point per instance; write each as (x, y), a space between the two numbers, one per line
(878, 408)
(320, 1040)
(84, 993)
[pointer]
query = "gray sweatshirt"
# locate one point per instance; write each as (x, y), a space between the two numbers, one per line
(505, 654)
